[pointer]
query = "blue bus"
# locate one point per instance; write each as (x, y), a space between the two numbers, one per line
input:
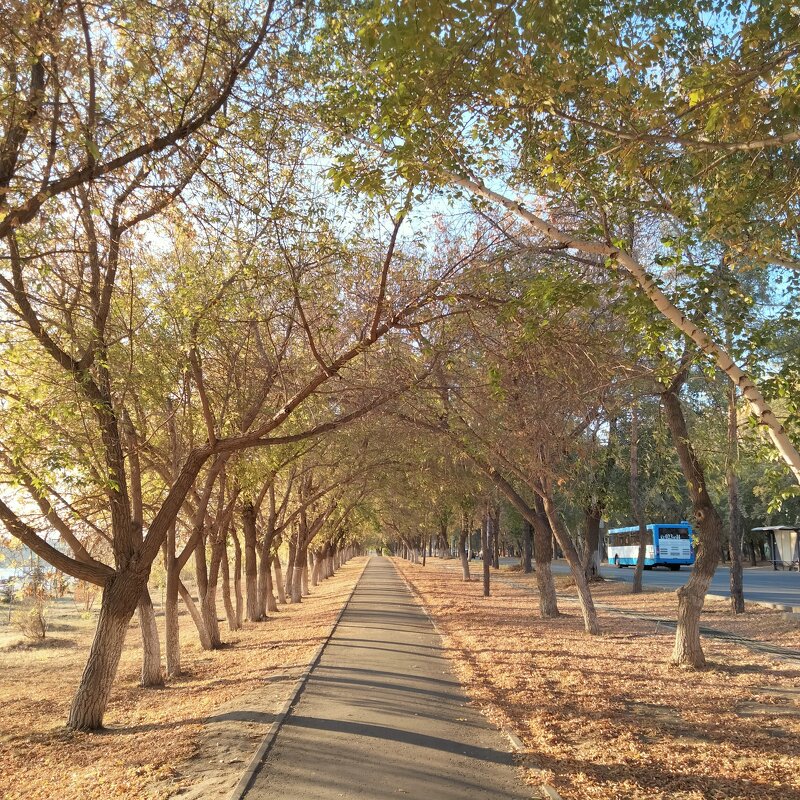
(668, 544)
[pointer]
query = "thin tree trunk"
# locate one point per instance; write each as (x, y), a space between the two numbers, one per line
(297, 574)
(527, 547)
(264, 577)
(496, 538)
(316, 568)
(734, 515)
(230, 611)
(637, 507)
(272, 604)
(197, 617)
(171, 620)
(576, 567)
(462, 551)
(304, 577)
(486, 552)
(290, 565)
(329, 562)
(250, 563)
(151, 647)
(206, 615)
(209, 602)
(688, 650)
(237, 575)
(279, 584)
(548, 602)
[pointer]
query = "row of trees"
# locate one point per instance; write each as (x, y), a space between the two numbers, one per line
(571, 421)
(258, 281)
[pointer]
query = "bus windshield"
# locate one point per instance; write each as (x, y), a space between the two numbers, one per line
(673, 533)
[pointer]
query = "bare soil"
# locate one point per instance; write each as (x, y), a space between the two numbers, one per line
(191, 738)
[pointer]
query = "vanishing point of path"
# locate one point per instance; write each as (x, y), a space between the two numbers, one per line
(382, 715)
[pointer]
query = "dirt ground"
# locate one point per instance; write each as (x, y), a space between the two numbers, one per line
(760, 623)
(217, 711)
(605, 717)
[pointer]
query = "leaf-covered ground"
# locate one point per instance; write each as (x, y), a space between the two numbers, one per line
(605, 717)
(150, 731)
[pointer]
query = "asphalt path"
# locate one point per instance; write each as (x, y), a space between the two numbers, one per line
(383, 716)
(761, 584)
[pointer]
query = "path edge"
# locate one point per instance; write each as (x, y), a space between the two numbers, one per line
(255, 762)
(517, 745)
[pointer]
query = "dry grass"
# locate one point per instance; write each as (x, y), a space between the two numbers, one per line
(150, 731)
(605, 717)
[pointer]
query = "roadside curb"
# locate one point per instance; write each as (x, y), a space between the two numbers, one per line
(253, 766)
(762, 603)
(517, 745)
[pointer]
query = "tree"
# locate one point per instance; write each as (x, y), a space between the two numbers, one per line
(515, 81)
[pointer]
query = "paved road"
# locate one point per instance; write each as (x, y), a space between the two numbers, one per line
(382, 715)
(760, 583)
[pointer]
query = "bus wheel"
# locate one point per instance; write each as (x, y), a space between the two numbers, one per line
(675, 567)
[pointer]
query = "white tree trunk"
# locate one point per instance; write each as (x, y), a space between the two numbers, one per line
(151, 647)
(279, 584)
(758, 405)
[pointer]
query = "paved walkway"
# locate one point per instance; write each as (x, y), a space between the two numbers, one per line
(382, 715)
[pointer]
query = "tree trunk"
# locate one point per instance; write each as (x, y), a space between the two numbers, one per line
(237, 575)
(121, 595)
(304, 577)
(688, 651)
(486, 535)
(315, 579)
(575, 565)
(264, 578)
(637, 507)
(548, 602)
(151, 647)
(209, 601)
(272, 604)
(323, 562)
(250, 564)
(496, 538)
(734, 515)
(230, 612)
(208, 620)
(527, 546)
(297, 574)
(290, 565)
(171, 620)
(330, 571)
(462, 551)
(591, 565)
(279, 584)
(197, 617)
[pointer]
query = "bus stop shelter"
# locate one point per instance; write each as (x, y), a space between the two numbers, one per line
(784, 545)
